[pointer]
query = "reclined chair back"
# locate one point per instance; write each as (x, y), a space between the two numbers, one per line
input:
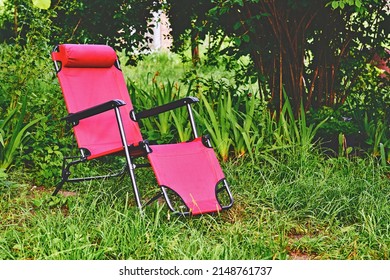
(96, 66)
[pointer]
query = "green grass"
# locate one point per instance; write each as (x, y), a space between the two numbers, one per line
(291, 202)
(314, 209)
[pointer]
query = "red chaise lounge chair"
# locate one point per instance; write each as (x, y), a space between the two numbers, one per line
(105, 123)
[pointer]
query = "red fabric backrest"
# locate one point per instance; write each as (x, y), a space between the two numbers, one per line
(89, 77)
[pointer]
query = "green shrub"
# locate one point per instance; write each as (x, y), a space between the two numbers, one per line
(30, 100)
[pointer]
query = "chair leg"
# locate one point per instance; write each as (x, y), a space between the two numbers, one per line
(154, 198)
(225, 187)
(59, 187)
(133, 183)
(65, 174)
(128, 158)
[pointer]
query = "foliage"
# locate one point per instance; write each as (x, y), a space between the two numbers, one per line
(81, 22)
(228, 118)
(4, 179)
(19, 21)
(31, 100)
(13, 134)
(42, 4)
(19, 75)
(127, 24)
(160, 128)
(285, 41)
(296, 133)
(236, 118)
(188, 19)
(378, 139)
(369, 106)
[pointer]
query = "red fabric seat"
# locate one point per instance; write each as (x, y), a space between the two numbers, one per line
(191, 170)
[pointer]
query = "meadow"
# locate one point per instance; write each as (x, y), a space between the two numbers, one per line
(293, 200)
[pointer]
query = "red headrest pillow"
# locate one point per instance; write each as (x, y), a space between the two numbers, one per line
(85, 56)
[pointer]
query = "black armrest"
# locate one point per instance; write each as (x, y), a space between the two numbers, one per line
(75, 117)
(167, 107)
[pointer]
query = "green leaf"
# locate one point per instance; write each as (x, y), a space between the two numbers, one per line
(246, 38)
(358, 3)
(335, 4)
(42, 4)
(237, 41)
(237, 25)
(2, 139)
(37, 202)
(240, 2)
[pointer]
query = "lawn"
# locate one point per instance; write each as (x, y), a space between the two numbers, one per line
(292, 200)
(317, 208)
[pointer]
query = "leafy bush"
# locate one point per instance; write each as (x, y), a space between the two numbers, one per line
(364, 118)
(31, 100)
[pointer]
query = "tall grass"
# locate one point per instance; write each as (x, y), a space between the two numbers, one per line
(82, 228)
(218, 123)
(14, 133)
(291, 202)
(332, 209)
(153, 94)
